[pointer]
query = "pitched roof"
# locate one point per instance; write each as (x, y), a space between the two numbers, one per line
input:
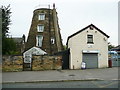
(85, 29)
(34, 51)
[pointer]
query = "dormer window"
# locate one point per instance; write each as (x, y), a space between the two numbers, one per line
(41, 16)
(90, 39)
(40, 28)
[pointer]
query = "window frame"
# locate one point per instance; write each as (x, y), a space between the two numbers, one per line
(40, 29)
(52, 40)
(39, 41)
(41, 16)
(90, 39)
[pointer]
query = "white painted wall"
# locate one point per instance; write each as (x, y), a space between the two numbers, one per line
(78, 43)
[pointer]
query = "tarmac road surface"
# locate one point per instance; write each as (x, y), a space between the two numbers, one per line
(68, 84)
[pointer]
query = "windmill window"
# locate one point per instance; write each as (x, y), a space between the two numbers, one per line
(40, 28)
(39, 40)
(41, 16)
(52, 41)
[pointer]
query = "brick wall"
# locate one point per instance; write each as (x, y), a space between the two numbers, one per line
(15, 63)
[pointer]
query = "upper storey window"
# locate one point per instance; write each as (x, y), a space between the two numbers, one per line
(41, 16)
(90, 39)
(40, 28)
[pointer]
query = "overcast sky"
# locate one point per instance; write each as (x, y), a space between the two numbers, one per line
(73, 16)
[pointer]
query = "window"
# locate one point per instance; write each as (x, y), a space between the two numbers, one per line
(41, 16)
(39, 40)
(90, 39)
(52, 40)
(40, 28)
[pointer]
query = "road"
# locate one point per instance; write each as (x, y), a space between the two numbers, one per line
(69, 84)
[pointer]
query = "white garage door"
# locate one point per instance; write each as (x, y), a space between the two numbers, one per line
(91, 60)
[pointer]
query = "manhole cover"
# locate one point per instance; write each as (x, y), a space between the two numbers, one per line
(71, 75)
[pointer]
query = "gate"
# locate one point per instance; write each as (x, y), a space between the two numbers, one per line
(65, 59)
(27, 63)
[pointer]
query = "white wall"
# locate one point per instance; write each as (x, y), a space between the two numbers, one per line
(78, 43)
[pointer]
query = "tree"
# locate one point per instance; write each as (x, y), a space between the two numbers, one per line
(110, 46)
(8, 45)
(5, 20)
(64, 47)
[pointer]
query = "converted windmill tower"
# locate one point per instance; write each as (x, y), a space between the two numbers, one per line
(44, 32)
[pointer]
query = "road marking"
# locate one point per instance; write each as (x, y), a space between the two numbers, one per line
(103, 86)
(95, 84)
(109, 84)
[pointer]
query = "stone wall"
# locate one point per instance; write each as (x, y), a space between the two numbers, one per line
(12, 63)
(15, 63)
(46, 63)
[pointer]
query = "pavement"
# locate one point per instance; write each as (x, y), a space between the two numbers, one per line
(60, 75)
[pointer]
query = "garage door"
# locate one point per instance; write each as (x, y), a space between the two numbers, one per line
(91, 60)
